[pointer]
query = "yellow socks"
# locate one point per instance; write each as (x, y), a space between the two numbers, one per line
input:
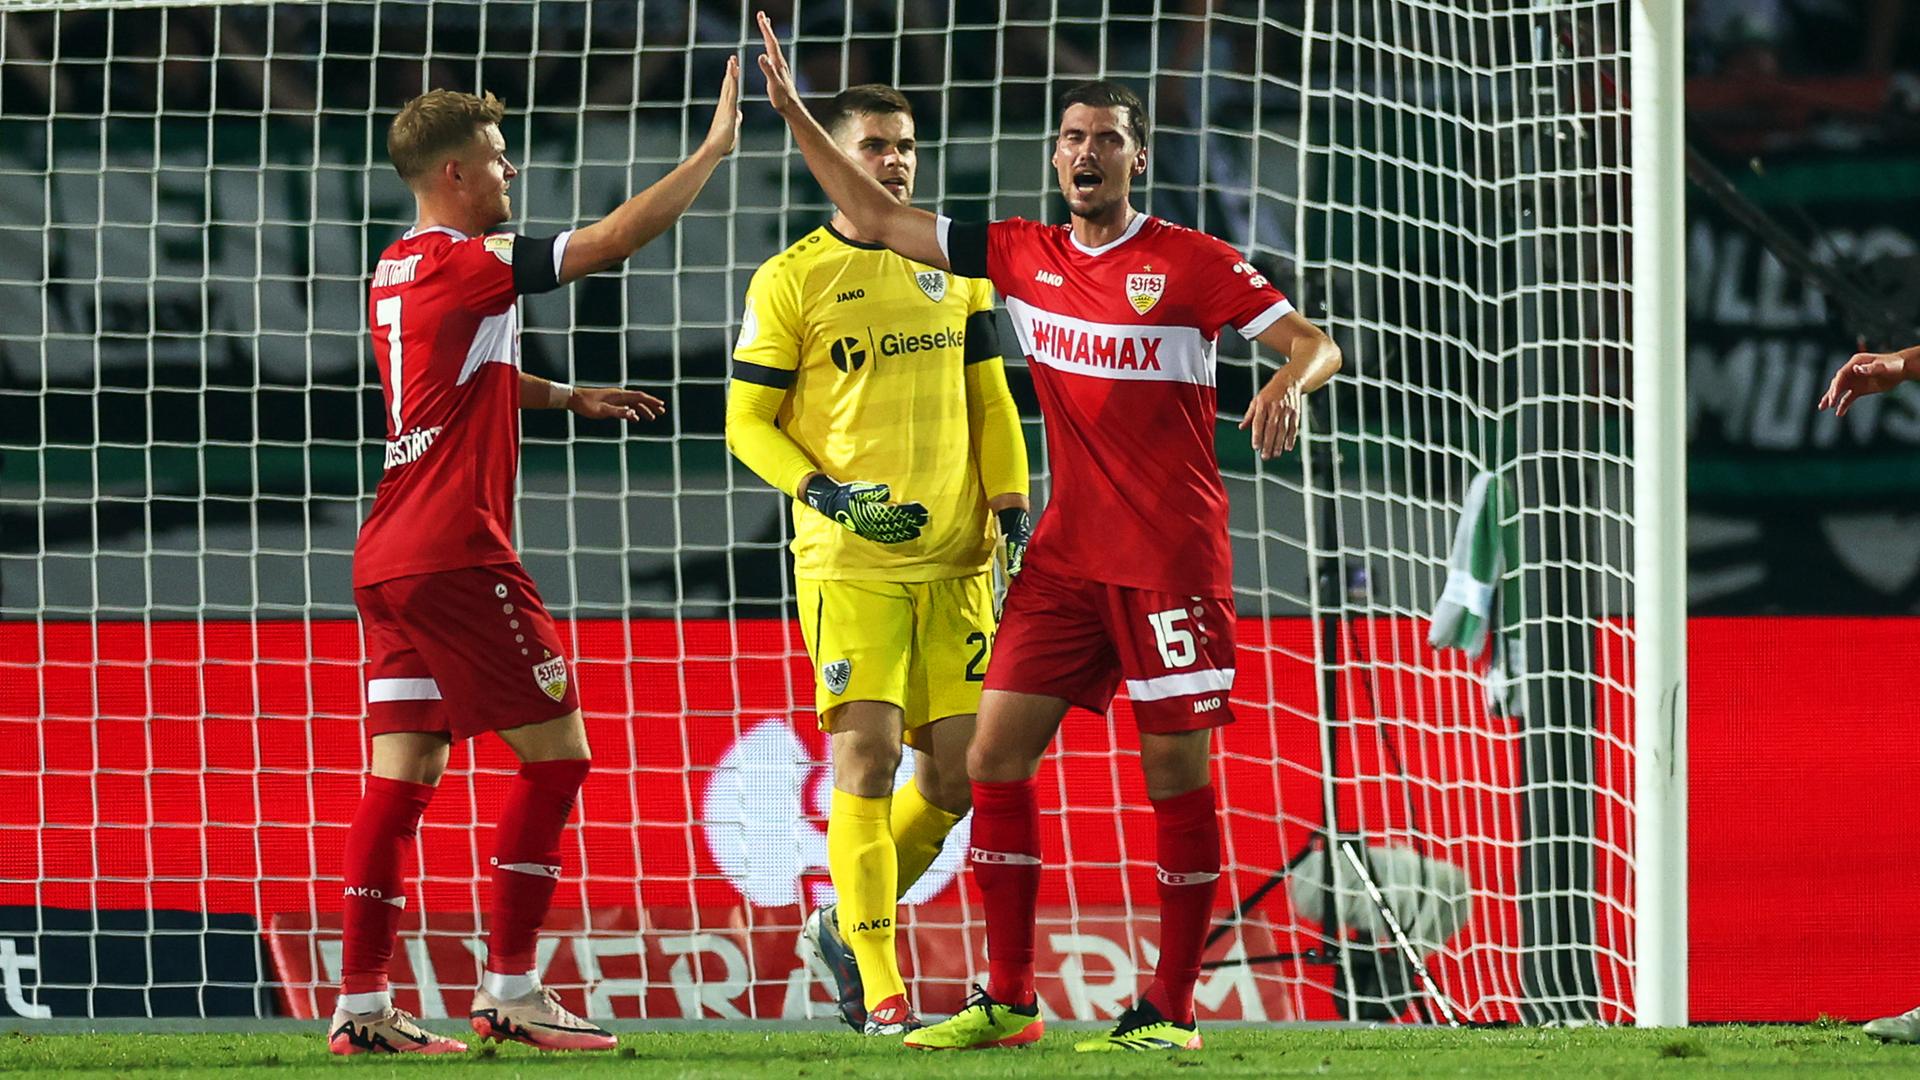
(864, 868)
(919, 828)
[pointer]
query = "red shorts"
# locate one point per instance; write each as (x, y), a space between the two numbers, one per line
(1077, 639)
(462, 651)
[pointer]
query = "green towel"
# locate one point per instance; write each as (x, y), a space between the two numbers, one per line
(1480, 600)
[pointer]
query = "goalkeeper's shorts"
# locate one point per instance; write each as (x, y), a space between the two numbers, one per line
(463, 652)
(920, 645)
(1079, 640)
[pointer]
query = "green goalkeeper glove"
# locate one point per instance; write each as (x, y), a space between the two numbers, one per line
(864, 510)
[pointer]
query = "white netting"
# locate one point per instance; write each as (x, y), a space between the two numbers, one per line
(192, 197)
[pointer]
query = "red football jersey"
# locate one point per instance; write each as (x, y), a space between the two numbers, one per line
(446, 336)
(1121, 341)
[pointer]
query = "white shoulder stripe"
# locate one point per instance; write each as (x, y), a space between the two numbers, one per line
(1259, 323)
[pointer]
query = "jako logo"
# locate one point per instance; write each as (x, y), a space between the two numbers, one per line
(1206, 704)
(847, 354)
(874, 924)
(1048, 277)
(374, 894)
(763, 817)
(852, 294)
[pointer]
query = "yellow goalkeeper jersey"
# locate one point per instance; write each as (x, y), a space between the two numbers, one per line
(872, 351)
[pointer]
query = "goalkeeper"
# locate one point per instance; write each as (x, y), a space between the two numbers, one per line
(871, 388)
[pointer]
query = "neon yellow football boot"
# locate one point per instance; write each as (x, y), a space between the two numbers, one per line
(1142, 1028)
(984, 1023)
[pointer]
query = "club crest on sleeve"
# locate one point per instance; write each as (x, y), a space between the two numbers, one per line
(551, 676)
(1145, 290)
(933, 283)
(501, 245)
(836, 674)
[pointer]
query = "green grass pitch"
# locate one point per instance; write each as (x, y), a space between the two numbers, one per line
(1821, 1050)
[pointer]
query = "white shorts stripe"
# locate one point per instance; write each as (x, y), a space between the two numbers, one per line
(1162, 687)
(1259, 323)
(402, 690)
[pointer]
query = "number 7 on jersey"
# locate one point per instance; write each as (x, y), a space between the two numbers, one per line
(386, 312)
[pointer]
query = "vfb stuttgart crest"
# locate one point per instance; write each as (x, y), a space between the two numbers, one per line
(933, 283)
(551, 675)
(1144, 290)
(836, 674)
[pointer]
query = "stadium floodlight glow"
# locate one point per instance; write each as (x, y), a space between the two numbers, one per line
(195, 194)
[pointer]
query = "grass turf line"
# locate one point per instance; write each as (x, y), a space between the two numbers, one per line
(1822, 1050)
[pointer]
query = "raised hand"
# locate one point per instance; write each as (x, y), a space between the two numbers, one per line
(724, 132)
(1274, 415)
(773, 64)
(602, 403)
(1865, 373)
(863, 510)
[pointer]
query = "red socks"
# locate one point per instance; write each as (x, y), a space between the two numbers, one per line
(1006, 864)
(372, 867)
(526, 859)
(1188, 836)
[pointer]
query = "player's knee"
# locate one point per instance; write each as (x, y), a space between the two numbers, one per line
(992, 763)
(863, 766)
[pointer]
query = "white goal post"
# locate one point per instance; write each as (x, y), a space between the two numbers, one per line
(1479, 199)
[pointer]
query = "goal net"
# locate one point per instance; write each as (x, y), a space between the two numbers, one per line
(192, 197)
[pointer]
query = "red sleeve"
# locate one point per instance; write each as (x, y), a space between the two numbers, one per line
(1234, 292)
(1004, 239)
(481, 269)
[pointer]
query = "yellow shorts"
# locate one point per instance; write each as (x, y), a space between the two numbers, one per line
(920, 645)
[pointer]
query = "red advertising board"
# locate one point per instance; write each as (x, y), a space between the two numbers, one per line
(213, 766)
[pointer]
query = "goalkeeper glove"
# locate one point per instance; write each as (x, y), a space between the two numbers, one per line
(1016, 528)
(864, 510)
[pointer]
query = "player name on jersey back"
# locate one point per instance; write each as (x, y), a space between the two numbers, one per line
(1122, 341)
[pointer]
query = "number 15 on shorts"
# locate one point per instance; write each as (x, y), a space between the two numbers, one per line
(1174, 640)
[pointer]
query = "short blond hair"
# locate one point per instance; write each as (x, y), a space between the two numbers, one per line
(436, 124)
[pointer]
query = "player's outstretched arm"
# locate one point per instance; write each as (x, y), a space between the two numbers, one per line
(907, 231)
(589, 402)
(611, 240)
(1869, 373)
(1312, 359)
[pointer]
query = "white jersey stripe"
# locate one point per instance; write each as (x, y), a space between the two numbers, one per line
(1259, 323)
(402, 690)
(495, 341)
(1162, 687)
(1123, 351)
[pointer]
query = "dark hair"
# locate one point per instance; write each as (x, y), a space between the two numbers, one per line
(436, 124)
(1107, 94)
(867, 99)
